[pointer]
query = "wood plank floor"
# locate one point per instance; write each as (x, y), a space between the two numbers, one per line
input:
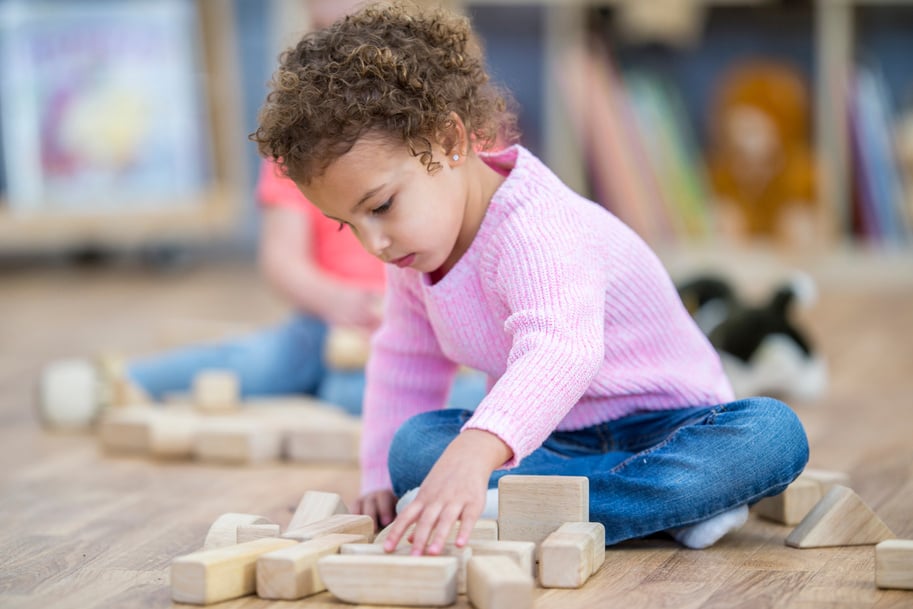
(83, 530)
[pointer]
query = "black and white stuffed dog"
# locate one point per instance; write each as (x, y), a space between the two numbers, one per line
(762, 349)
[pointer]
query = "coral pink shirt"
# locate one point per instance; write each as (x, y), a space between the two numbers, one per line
(337, 252)
(569, 313)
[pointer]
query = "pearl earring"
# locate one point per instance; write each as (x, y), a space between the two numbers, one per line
(456, 157)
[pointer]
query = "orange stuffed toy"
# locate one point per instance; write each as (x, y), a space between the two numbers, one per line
(761, 164)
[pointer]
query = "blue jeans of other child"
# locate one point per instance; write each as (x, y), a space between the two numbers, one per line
(648, 472)
(283, 360)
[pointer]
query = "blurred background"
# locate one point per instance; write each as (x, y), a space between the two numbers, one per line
(764, 149)
(701, 123)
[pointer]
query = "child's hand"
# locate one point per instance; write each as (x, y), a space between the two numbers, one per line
(454, 489)
(379, 505)
(353, 308)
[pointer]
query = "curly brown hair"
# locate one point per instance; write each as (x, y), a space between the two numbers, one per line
(390, 70)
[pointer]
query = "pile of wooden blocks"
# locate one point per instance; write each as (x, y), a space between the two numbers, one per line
(542, 519)
(213, 424)
(827, 513)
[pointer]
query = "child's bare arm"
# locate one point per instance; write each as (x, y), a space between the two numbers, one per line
(284, 242)
(453, 490)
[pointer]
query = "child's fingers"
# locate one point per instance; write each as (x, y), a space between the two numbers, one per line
(467, 522)
(444, 525)
(386, 509)
(424, 527)
(401, 525)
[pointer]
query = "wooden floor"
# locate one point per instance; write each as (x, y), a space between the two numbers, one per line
(81, 530)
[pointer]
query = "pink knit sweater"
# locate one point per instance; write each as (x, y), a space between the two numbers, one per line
(568, 312)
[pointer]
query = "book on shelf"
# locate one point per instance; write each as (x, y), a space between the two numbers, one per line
(880, 197)
(617, 160)
(675, 158)
(643, 161)
(101, 106)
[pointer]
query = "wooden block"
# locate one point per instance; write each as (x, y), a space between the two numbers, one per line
(217, 575)
(531, 507)
(291, 573)
(126, 430)
(373, 549)
(236, 440)
(332, 440)
(116, 389)
(315, 506)
(147, 430)
(355, 524)
(825, 478)
(68, 394)
(496, 582)
(894, 564)
(571, 554)
(346, 348)
(216, 391)
(790, 506)
(484, 530)
(391, 580)
(841, 518)
(224, 531)
(521, 552)
(250, 532)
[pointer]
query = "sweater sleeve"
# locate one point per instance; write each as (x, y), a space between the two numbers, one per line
(555, 293)
(407, 374)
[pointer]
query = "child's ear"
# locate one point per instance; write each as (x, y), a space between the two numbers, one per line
(454, 140)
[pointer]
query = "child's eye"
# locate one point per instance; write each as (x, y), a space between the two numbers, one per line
(383, 208)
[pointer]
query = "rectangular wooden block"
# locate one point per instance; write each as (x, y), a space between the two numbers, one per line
(236, 440)
(521, 552)
(216, 391)
(531, 507)
(355, 524)
(790, 506)
(126, 430)
(331, 440)
(373, 549)
(391, 580)
(825, 478)
(251, 532)
(894, 564)
(291, 573)
(570, 555)
(496, 582)
(224, 573)
(148, 430)
(224, 530)
(315, 506)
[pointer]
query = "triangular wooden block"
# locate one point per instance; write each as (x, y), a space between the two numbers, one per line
(841, 518)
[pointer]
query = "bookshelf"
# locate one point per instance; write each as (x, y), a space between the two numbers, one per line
(209, 212)
(833, 47)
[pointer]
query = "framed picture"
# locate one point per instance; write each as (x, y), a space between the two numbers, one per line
(102, 106)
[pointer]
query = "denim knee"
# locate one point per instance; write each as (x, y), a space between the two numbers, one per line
(418, 443)
(785, 433)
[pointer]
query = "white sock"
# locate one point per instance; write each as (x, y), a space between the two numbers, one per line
(707, 532)
(491, 502)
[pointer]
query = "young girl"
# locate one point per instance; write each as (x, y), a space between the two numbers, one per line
(594, 366)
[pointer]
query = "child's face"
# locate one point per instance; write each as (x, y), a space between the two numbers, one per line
(399, 212)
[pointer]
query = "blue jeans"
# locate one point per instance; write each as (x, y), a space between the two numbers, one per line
(648, 472)
(283, 360)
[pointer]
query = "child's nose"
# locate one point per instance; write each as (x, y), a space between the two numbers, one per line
(377, 242)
